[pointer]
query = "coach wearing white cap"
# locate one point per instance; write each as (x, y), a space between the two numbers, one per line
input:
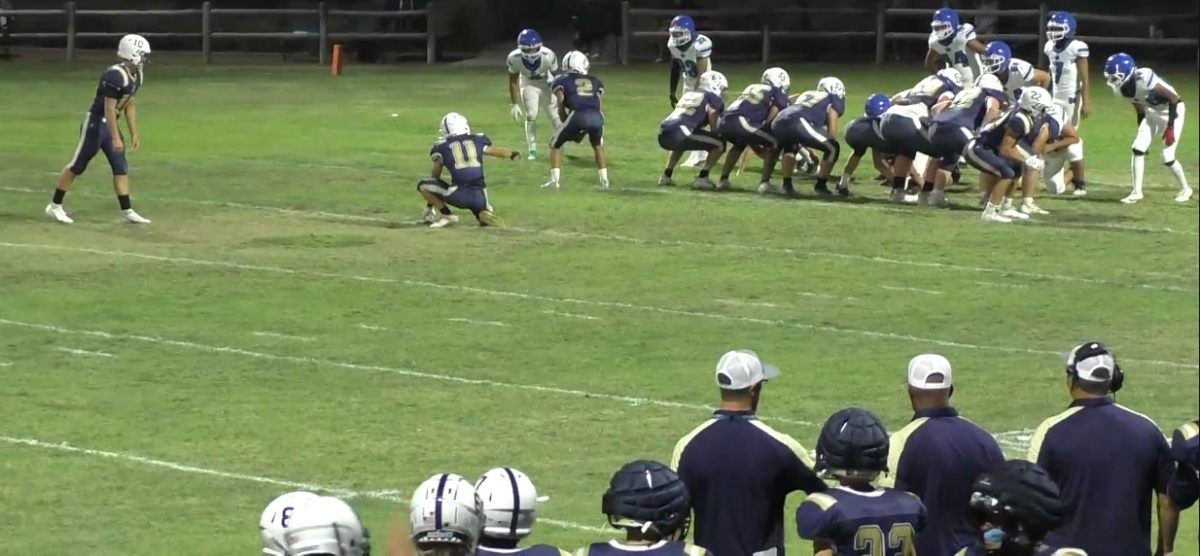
(739, 471)
(938, 456)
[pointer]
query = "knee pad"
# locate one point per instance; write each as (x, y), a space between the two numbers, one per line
(427, 182)
(1075, 152)
(1138, 153)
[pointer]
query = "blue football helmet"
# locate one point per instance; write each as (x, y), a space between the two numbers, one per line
(530, 44)
(683, 31)
(1119, 69)
(1060, 27)
(945, 23)
(876, 105)
(996, 57)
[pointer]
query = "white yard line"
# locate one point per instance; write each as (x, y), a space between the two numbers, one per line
(5, 364)
(278, 336)
(570, 301)
(570, 315)
(910, 290)
(388, 495)
(739, 303)
(370, 327)
(83, 352)
(1000, 285)
(825, 296)
(478, 322)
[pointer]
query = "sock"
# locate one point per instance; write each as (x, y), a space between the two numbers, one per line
(844, 183)
(1006, 204)
(123, 200)
(927, 187)
(428, 205)
(444, 210)
(724, 176)
(703, 173)
(1078, 183)
(555, 173)
(604, 174)
(984, 196)
(1137, 166)
(822, 183)
(1027, 201)
(58, 196)
(898, 182)
(530, 136)
(1177, 169)
(668, 172)
(787, 184)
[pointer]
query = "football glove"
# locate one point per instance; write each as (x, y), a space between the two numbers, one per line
(516, 112)
(1169, 136)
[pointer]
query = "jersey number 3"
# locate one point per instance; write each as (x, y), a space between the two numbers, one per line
(871, 541)
(690, 69)
(465, 154)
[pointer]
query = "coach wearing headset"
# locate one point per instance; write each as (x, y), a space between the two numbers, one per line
(1111, 463)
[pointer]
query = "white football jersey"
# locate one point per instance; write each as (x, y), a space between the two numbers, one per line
(962, 58)
(539, 72)
(700, 49)
(1020, 74)
(1144, 95)
(1064, 76)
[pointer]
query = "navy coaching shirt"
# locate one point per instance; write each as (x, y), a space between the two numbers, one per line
(937, 457)
(739, 472)
(1109, 462)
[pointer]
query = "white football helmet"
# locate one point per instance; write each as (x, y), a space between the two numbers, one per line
(833, 86)
(327, 527)
(133, 49)
(277, 517)
(1035, 100)
(952, 75)
(453, 125)
(713, 82)
(576, 62)
(989, 82)
(509, 503)
(446, 513)
(778, 78)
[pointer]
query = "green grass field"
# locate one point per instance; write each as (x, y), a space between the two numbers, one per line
(283, 324)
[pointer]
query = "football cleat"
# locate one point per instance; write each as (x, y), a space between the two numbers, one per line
(664, 181)
(430, 216)
(445, 220)
(766, 188)
(724, 185)
(1014, 214)
(1132, 198)
(133, 217)
(990, 214)
(1029, 208)
(59, 215)
(551, 185)
(1184, 195)
(532, 155)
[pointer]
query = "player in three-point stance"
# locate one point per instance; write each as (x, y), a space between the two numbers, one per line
(905, 128)
(531, 69)
(578, 97)
(811, 122)
(1068, 58)
(746, 120)
(690, 53)
(461, 153)
(953, 44)
(99, 131)
(954, 127)
(862, 135)
(1159, 111)
(1050, 139)
(683, 130)
(1014, 73)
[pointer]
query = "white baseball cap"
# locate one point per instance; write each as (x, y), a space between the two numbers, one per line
(929, 372)
(742, 369)
(1091, 361)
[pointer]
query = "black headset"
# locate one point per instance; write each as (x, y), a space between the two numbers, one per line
(1090, 350)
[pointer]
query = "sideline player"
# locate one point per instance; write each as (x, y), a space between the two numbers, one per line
(446, 516)
(1068, 58)
(744, 121)
(953, 44)
(461, 153)
(809, 123)
(863, 134)
(1014, 507)
(327, 526)
(1159, 111)
(277, 517)
(578, 97)
(1000, 157)
(690, 58)
(509, 512)
(650, 503)
(853, 449)
(904, 128)
(683, 130)
(99, 131)
(1014, 73)
(1184, 488)
(531, 68)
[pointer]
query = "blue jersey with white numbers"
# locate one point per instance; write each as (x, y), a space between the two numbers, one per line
(862, 523)
(813, 107)
(117, 83)
(462, 156)
(581, 93)
(755, 103)
(661, 548)
(535, 550)
(969, 108)
(928, 91)
(692, 110)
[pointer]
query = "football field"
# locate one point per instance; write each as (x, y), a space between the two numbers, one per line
(285, 324)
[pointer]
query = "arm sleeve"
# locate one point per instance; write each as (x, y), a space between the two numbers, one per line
(675, 74)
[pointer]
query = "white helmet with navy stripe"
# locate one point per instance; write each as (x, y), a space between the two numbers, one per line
(713, 82)
(277, 517)
(576, 62)
(453, 125)
(833, 86)
(509, 503)
(328, 527)
(989, 82)
(777, 77)
(446, 513)
(1035, 100)
(133, 49)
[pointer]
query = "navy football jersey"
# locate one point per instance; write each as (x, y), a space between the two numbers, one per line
(692, 110)
(1042, 550)
(813, 107)
(969, 108)
(755, 103)
(928, 91)
(1184, 488)
(862, 523)
(581, 93)
(660, 548)
(535, 550)
(462, 156)
(118, 83)
(1013, 124)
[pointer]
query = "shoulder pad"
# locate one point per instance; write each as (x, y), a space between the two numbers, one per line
(1080, 48)
(1023, 68)
(966, 31)
(1069, 552)
(1188, 430)
(703, 46)
(1145, 76)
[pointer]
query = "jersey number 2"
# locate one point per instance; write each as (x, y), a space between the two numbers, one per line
(690, 69)
(465, 154)
(870, 540)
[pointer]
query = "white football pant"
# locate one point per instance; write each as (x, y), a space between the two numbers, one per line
(535, 97)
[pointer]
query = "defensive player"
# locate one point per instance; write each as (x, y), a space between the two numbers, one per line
(579, 100)
(1068, 58)
(1184, 488)
(862, 135)
(690, 58)
(509, 512)
(1159, 111)
(327, 527)
(745, 121)
(277, 517)
(461, 153)
(999, 155)
(904, 127)
(446, 516)
(531, 69)
(952, 128)
(953, 44)
(1062, 150)
(1014, 73)
(1015, 506)
(683, 130)
(809, 123)
(855, 518)
(648, 501)
(99, 131)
